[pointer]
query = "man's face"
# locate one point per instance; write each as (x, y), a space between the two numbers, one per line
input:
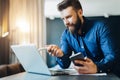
(71, 19)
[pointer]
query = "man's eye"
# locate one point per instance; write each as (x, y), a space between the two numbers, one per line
(68, 17)
(62, 18)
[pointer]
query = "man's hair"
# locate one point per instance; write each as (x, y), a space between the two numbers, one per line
(67, 3)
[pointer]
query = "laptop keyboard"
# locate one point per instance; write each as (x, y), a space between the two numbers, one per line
(59, 72)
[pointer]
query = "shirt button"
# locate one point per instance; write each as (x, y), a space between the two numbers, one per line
(100, 71)
(60, 60)
(82, 47)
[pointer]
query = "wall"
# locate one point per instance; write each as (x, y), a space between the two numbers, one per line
(0, 18)
(4, 50)
(90, 7)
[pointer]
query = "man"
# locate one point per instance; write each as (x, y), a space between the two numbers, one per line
(91, 38)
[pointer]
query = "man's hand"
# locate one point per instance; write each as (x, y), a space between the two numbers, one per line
(88, 66)
(54, 50)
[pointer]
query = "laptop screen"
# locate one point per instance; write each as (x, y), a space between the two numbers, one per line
(30, 58)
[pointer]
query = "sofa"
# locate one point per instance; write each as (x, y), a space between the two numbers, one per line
(10, 69)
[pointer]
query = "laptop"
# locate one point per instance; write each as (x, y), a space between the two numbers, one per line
(32, 61)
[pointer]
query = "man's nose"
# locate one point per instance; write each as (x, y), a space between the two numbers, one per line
(66, 22)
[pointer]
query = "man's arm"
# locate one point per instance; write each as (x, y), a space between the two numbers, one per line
(64, 61)
(108, 48)
(62, 53)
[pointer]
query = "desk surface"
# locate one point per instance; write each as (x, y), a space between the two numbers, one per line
(31, 76)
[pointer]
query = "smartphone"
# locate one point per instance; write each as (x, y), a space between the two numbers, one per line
(77, 56)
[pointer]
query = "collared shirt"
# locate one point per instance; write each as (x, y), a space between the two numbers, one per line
(96, 43)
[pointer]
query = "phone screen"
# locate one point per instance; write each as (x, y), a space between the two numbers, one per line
(77, 56)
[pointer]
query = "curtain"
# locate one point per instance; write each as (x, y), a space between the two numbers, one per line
(4, 10)
(26, 21)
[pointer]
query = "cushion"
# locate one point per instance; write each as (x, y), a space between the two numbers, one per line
(13, 69)
(3, 70)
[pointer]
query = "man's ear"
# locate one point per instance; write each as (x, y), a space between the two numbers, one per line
(80, 12)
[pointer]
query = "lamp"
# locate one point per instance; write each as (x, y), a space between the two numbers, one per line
(22, 30)
(23, 25)
(5, 34)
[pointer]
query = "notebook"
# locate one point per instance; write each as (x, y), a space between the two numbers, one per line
(32, 61)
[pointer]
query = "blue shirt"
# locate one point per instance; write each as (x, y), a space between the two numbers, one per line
(96, 43)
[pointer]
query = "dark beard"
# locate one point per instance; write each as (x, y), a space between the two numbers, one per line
(77, 25)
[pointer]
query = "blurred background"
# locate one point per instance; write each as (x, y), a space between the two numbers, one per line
(38, 22)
